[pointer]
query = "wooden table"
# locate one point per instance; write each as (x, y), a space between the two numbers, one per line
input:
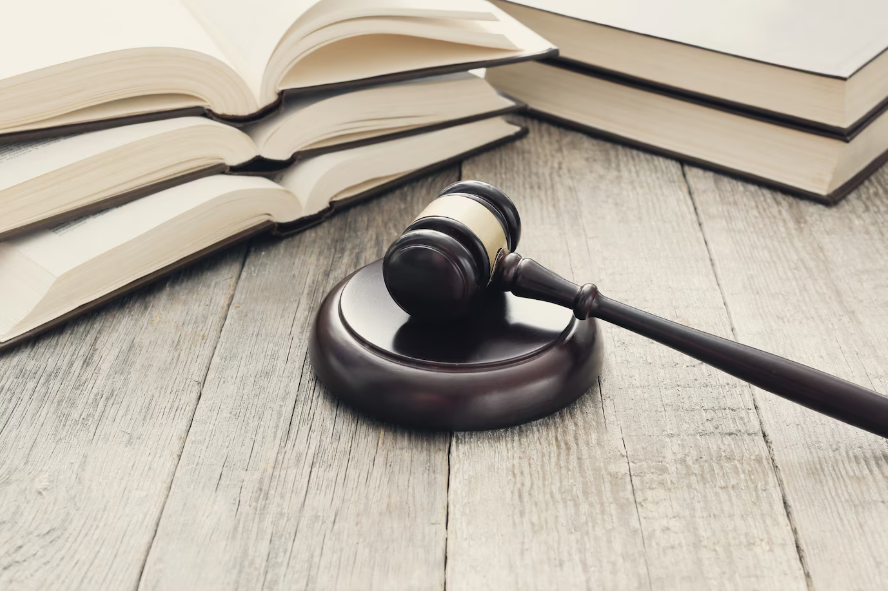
(178, 439)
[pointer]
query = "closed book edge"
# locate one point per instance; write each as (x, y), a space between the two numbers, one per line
(829, 199)
(277, 230)
(845, 134)
(258, 166)
(814, 72)
(51, 132)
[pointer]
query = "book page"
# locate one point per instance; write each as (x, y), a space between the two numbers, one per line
(12, 152)
(328, 12)
(25, 161)
(71, 244)
(37, 34)
(126, 107)
(369, 107)
(399, 48)
(250, 32)
(340, 118)
(318, 180)
(263, 129)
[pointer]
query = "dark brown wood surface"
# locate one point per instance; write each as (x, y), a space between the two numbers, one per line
(178, 439)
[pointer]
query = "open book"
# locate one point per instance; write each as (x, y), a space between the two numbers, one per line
(66, 63)
(45, 181)
(51, 275)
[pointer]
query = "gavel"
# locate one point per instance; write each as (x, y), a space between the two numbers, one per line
(461, 246)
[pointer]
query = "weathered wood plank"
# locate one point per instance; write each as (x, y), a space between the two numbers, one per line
(93, 418)
(663, 480)
(279, 486)
(811, 283)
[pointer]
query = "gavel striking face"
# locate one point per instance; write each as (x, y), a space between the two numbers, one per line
(442, 263)
(463, 244)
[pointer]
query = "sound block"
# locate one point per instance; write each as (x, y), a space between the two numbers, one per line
(512, 361)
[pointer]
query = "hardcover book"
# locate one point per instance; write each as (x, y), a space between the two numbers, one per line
(817, 64)
(72, 66)
(810, 164)
(52, 275)
(45, 181)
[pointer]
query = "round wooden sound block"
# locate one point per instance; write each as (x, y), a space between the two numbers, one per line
(513, 361)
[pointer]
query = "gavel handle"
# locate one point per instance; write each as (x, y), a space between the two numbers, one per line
(799, 383)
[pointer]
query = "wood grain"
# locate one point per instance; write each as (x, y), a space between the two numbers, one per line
(279, 486)
(662, 480)
(179, 440)
(810, 283)
(93, 417)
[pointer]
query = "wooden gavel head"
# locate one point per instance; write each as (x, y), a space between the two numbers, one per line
(439, 267)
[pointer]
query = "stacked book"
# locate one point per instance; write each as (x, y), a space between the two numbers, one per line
(791, 94)
(138, 135)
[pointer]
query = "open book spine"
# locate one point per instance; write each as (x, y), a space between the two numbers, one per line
(264, 166)
(341, 204)
(60, 130)
(421, 73)
(256, 167)
(829, 199)
(278, 230)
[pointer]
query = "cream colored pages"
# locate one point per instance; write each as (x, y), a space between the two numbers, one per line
(23, 162)
(250, 32)
(36, 34)
(12, 152)
(70, 245)
(335, 103)
(830, 37)
(320, 120)
(318, 180)
(137, 105)
(367, 56)
(327, 12)
(53, 272)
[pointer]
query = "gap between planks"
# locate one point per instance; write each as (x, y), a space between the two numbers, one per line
(229, 299)
(787, 507)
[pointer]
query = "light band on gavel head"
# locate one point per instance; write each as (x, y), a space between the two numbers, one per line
(474, 216)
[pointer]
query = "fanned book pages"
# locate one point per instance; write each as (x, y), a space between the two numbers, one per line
(808, 164)
(45, 181)
(69, 63)
(51, 275)
(820, 64)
